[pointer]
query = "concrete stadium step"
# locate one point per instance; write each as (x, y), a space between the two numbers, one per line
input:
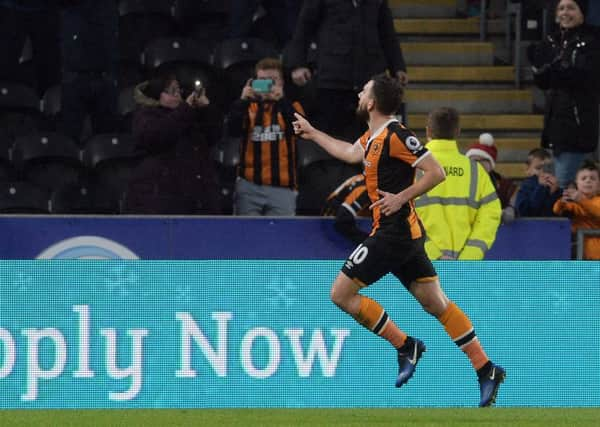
(488, 122)
(461, 74)
(479, 101)
(446, 26)
(423, 8)
(448, 53)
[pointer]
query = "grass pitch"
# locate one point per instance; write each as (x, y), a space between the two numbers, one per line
(421, 417)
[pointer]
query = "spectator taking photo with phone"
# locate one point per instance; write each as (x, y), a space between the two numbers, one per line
(261, 118)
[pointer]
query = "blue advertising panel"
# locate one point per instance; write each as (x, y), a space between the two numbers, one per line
(183, 238)
(263, 333)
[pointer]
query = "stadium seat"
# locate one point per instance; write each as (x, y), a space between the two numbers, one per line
(165, 50)
(130, 72)
(227, 160)
(308, 152)
(203, 20)
(19, 109)
(26, 67)
(241, 51)
(51, 107)
(83, 198)
(110, 159)
(317, 180)
(7, 170)
(16, 96)
(72, 198)
(126, 107)
(237, 58)
(48, 160)
(141, 21)
(228, 152)
(23, 197)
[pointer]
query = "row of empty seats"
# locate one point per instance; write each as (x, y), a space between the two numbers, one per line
(49, 170)
(41, 166)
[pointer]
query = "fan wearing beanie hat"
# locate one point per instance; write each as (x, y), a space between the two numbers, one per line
(583, 6)
(484, 149)
(486, 153)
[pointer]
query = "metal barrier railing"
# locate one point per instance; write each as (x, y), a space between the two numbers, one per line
(581, 235)
(483, 21)
(513, 18)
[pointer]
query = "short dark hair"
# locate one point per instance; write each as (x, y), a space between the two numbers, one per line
(387, 93)
(269, 64)
(538, 153)
(589, 165)
(443, 123)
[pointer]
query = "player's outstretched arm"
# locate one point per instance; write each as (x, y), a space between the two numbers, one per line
(350, 153)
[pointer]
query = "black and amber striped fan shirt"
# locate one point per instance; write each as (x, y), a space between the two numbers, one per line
(352, 194)
(391, 153)
(268, 149)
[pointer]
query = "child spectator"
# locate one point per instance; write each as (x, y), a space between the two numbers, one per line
(485, 153)
(266, 183)
(540, 190)
(582, 205)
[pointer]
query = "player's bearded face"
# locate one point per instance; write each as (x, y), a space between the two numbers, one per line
(362, 110)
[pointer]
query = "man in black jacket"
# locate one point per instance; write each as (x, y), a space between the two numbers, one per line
(355, 40)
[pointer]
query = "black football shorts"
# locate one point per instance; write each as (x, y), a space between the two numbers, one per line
(377, 256)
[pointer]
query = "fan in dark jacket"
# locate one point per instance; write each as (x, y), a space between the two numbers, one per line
(176, 173)
(566, 64)
(355, 40)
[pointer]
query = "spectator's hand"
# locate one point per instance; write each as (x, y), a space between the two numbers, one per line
(390, 203)
(276, 93)
(301, 76)
(508, 215)
(247, 92)
(402, 77)
(571, 195)
(548, 180)
(169, 101)
(303, 128)
(201, 100)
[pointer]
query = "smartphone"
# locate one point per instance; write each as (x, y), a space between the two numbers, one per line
(262, 85)
(198, 88)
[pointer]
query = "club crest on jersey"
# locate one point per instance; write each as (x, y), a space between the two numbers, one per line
(413, 144)
(376, 147)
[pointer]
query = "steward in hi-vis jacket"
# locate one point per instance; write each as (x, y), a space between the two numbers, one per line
(462, 214)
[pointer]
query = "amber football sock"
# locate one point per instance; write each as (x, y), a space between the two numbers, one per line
(459, 327)
(373, 317)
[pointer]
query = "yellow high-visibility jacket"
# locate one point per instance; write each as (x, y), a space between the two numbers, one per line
(462, 214)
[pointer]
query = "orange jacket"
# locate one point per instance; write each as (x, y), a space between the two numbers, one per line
(583, 214)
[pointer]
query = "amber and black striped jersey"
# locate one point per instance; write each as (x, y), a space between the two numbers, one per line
(268, 148)
(391, 153)
(352, 194)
